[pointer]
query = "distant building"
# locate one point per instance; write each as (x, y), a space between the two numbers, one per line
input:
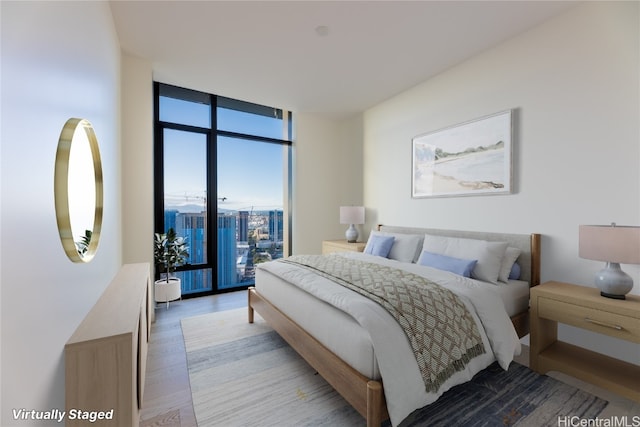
(192, 226)
(243, 226)
(275, 226)
(227, 271)
(170, 219)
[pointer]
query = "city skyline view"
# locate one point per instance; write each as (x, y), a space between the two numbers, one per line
(249, 188)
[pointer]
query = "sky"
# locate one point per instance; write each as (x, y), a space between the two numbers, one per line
(249, 173)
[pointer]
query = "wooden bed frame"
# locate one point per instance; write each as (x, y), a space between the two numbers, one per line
(364, 394)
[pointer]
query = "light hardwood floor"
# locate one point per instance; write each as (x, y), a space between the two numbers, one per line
(167, 387)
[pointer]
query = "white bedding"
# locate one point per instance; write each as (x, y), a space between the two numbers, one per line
(514, 296)
(365, 326)
(321, 320)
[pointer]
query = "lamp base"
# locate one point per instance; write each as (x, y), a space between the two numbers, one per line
(613, 282)
(351, 234)
(606, 295)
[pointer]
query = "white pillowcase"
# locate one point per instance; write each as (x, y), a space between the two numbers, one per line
(406, 247)
(488, 254)
(510, 256)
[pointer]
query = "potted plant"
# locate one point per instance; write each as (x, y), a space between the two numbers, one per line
(170, 250)
(82, 245)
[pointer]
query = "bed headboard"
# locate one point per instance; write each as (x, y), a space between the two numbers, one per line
(529, 244)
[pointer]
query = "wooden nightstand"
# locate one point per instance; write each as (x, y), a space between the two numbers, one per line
(583, 307)
(329, 246)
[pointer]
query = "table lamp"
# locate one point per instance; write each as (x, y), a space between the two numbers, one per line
(614, 245)
(352, 215)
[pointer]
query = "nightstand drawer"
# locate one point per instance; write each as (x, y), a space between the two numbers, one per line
(604, 322)
(331, 246)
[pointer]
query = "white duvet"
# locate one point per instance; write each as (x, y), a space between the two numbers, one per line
(403, 385)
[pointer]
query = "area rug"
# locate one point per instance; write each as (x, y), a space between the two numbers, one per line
(244, 374)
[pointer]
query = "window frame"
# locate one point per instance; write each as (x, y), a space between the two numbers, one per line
(212, 134)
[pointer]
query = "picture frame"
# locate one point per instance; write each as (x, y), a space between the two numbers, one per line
(469, 159)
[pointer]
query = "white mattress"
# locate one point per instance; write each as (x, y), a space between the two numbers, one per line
(320, 319)
(353, 344)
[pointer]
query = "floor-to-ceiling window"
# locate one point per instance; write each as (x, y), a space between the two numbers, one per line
(222, 181)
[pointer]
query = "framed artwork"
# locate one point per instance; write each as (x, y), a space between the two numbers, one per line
(469, 159)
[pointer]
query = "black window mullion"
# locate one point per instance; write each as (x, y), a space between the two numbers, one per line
(158, 163)
(182, 127)
(212, 194)
(249, 137)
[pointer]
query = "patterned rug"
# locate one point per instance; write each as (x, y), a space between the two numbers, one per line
(246, 375)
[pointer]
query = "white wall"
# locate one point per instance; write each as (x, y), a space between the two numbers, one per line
(574, 85)
(137, 160)
(327, 174)
(59, 60)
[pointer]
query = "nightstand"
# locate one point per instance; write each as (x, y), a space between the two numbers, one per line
(583, 307)
(329, 246)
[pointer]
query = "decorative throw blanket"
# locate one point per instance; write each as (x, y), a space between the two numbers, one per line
(442, 332)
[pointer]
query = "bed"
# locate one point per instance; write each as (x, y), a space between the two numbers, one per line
(309, 311)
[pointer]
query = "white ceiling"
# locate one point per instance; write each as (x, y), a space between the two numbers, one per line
(271, 52)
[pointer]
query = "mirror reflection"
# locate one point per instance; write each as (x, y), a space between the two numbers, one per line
(81, 190)
(78, 190)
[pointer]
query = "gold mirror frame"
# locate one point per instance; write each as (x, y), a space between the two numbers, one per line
(61, 189)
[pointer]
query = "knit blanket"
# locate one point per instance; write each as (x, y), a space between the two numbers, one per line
(443, 334)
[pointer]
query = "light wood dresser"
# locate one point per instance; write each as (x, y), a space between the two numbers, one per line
(583, 307)
(329, 246)
(105, 358)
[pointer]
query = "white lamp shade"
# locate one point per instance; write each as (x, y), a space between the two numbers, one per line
(351, 214)
(610, 243)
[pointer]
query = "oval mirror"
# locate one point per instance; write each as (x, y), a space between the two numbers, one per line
(78, 190)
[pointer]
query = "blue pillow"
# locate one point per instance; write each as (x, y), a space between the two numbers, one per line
(515, 272)
(379, 245)
(462, 267)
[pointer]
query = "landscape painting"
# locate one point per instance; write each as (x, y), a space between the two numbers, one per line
(472, 158)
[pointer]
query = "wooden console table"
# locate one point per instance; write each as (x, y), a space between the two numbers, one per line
(105, 358)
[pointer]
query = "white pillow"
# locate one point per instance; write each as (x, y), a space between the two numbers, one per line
(406, 247)
(510, 256)
(488, 254)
